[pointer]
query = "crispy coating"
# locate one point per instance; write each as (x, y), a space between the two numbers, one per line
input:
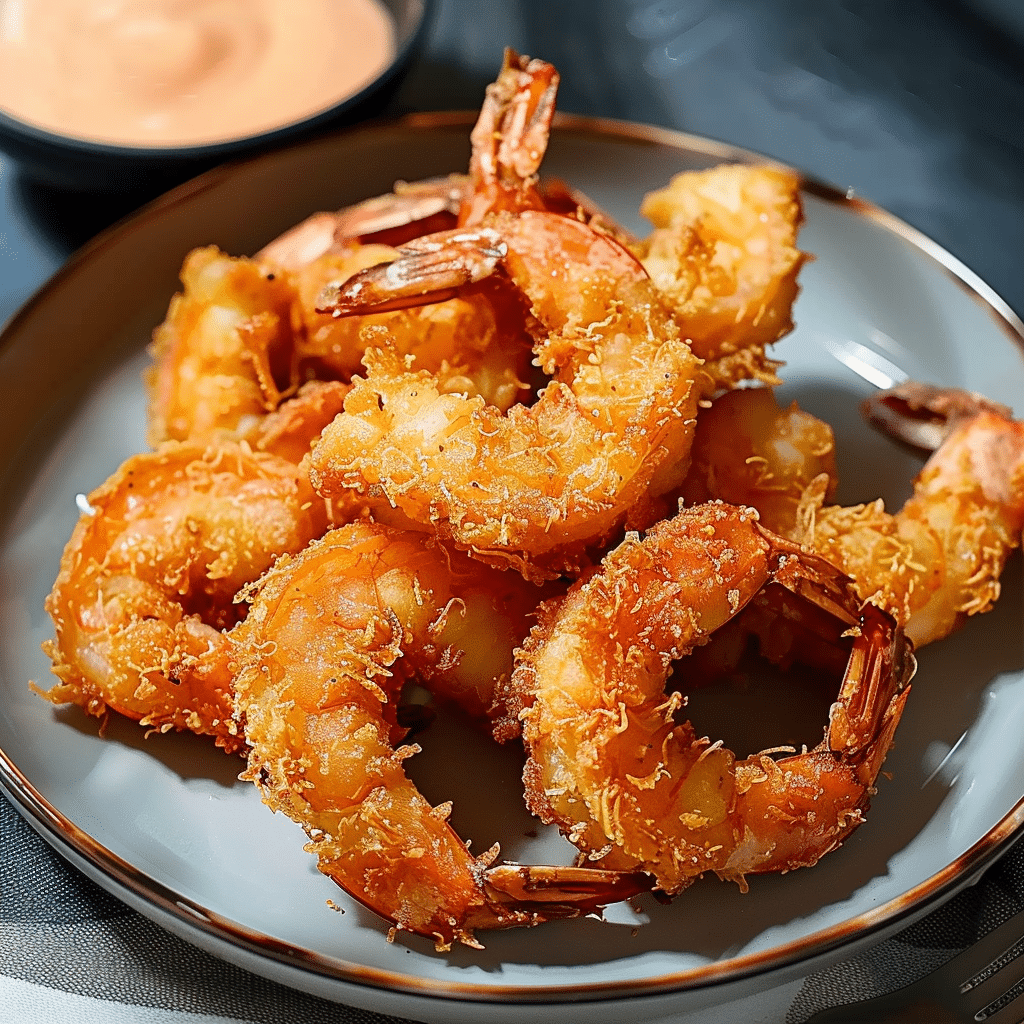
(148, 579)
(380, 353)
(292, 428)
(537, 486)
(723, 252)
(630, 783)
(224, 355)
(749, 451)
(243, 334)
(475, 343)
(332, 634)
(937, 560)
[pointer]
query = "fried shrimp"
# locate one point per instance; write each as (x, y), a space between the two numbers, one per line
(536, 486)
(938, 559)
(930, 564)
(475, 343)
(224, 355)
(332, 635)
(147, 581)
(473, 436)
(723, 253)
(747, 450)
(290, 430)
(541, 486)
(632, 785)
(243, 333)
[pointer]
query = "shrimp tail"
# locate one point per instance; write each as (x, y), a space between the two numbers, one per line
(874, 690)
(553, 892)
(922, 415)
(428, 270)
(510, 138)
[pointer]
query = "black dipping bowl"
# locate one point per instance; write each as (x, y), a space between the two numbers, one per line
(80, 165)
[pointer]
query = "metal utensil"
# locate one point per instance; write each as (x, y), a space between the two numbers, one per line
(981, 984)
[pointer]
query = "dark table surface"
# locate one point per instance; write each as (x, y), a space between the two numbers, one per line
(917, 106)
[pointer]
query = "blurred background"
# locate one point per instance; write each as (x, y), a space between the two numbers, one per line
(917, 106)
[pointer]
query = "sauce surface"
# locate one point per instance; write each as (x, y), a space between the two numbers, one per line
(184, 72)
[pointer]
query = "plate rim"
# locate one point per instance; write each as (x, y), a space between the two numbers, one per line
(75, 845)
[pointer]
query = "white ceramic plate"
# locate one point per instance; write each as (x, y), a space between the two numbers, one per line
(164, 824)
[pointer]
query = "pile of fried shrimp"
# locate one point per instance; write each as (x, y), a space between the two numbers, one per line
(475, 435)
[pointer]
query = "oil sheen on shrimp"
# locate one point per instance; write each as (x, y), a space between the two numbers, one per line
(332, 635)
(147, 581)
(723, 253)
(635, 787)
(937, 560)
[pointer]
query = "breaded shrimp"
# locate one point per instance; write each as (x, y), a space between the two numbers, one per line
(537, 486)
(747, 450)
(475, 344)
(723, 253)
(937, 560)
(224, 355)
(292, 428)
(332, 634)
(635, 787)
(148, 579)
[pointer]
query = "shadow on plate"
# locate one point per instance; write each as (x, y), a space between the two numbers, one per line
(187, 755)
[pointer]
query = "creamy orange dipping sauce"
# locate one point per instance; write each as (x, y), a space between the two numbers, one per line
(184, 72)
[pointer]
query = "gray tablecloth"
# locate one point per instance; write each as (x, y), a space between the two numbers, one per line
(917, 106)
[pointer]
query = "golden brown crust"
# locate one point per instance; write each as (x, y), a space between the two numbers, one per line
(635, 787)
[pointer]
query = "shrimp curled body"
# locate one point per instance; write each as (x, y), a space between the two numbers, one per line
(331, 636)
(632, 785)
(223, 356)
(536, 486)
(147, 581)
